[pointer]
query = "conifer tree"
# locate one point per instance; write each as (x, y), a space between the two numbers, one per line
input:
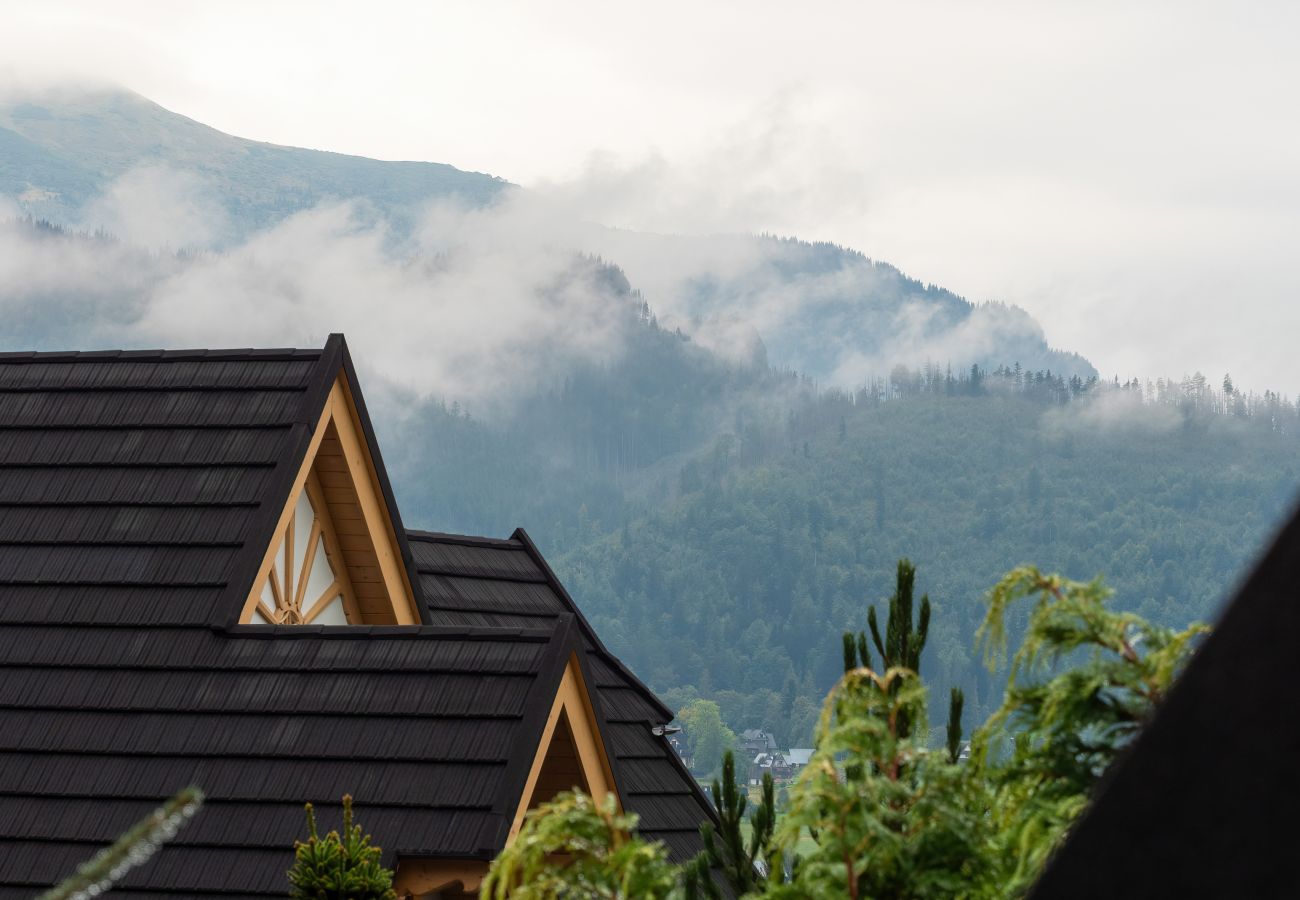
(339, 866)
(726, 849)
(902, 646)
(956, 699)
(574, 848)
(888, 816)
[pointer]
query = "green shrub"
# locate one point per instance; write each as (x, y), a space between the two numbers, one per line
(338, 867)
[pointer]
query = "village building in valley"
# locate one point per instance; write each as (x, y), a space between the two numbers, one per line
(205, 579)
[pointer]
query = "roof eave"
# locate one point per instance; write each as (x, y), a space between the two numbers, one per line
(262, 530)
(554, 583)
(381, 474)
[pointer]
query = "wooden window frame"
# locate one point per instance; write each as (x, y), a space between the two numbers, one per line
(341, 412)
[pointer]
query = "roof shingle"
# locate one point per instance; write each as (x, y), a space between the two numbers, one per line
(513, 586)
(138, 494)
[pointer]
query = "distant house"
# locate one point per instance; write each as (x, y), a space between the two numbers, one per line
(798, 757)
(772, 763)
(204, 579)
(782, 765)
(756, 740)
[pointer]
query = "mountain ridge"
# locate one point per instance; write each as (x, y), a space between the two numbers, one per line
(820, 309)
(721, 517)
(103, 135)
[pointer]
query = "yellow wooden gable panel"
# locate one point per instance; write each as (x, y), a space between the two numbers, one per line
(335, 558)
(570, 754)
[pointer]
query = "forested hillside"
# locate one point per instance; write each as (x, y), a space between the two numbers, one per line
(112, 162)
(738, 588)
(725, 468)
(721, 525)
(827, 311)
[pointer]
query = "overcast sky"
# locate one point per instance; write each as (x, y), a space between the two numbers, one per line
(1127, 172)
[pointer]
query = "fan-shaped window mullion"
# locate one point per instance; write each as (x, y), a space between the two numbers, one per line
(308, 560)
(286, 565)
(331, 594)
(277, 595)
(332, 553)
(330, 613)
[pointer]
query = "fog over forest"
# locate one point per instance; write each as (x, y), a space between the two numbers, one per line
(725, 440)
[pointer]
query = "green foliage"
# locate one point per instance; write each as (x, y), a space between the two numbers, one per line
(573, 847)
(956, 700)
(737, 586)
(672, 493)
(133, 848)
(339, 866)
(902, 645)
(1083, 681)
(727, 851)
(708, 738)
(887, 812)
(878, 813)
(890, 817)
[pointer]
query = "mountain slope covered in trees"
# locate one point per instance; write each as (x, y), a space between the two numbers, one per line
(112, 160)
(725, 565)
(727, 477)
(736, 587)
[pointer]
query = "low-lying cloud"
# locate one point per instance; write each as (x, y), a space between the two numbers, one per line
(474, 304)
(157, 206)
(1112, 410)
(472, 308)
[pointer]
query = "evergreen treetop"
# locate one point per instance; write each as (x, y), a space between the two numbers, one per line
(339, 866)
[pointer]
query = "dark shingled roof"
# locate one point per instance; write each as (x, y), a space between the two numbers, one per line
(138, 494)
(428, 727)
(1202, 804)
(490, 582)
(143, 487)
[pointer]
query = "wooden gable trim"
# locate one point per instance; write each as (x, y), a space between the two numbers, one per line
(338, 421)
(377, 514)
(571, 707)
(553, 581)
(572, 704)
(419, 877)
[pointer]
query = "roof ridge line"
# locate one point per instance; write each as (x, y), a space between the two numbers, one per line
(152, 389)
(352, 385)
(348, 632)
(464, 540)
(280, 757)
(279, 713)
(567, 599)
(272, 667)
(149, 426)
(274, 711)
(260, 532)
(537, 705)
(138, 464)
(244, 354)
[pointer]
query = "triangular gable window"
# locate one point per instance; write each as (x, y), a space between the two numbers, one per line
(572, 751)
(308, 582)
(334, 559)
(571, 754)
